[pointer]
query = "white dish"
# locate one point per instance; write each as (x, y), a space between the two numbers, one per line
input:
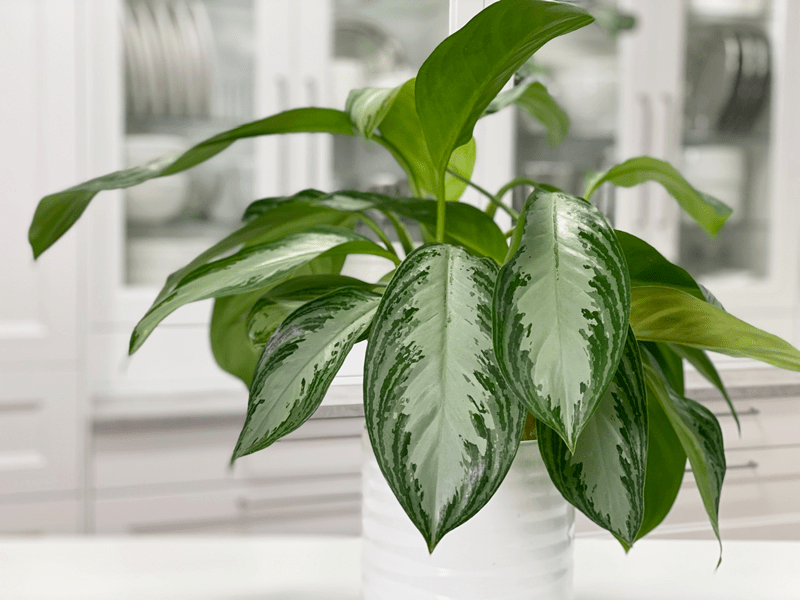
(207, 55)
(153, 59)
(138, 88)
(171, 56)
(192, 59)
(162, 199)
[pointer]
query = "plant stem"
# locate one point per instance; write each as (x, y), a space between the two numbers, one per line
(379, 232)
(441, 213)
(514, 183)
(402, 232)
(493, 199)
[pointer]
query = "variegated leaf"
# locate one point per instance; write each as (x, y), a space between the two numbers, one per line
(272, 308)
(250, 269)
(561, 309)
(299, 363)
(443, 425)
(367, 107)
(699, 433)
(605, 477)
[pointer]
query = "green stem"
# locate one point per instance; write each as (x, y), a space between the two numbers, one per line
(378, 231)
(441, 213)
(493, 199)
(514, 183)
(402, 232)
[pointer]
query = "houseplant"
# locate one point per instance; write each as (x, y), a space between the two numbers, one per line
(569, 330)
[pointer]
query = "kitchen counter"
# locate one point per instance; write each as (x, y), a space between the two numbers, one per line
(306, 568)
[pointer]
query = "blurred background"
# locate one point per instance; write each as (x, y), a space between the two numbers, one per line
(94, 442)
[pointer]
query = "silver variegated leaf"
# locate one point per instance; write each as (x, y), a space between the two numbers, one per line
(444, 427)
(299, 363)
(561, 309)
(278, 303)
(699, 433)
(367, 107)
(250, 269)
(605, 476)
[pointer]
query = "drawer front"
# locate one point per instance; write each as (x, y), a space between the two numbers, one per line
(764, 421)
(759, 500)
(195, 513)
(148, 454)
(321, 506)
(39, 432)
(304, 458)
(41, 517)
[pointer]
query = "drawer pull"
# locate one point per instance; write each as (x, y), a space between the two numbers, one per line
(750, 464)
(750, 412)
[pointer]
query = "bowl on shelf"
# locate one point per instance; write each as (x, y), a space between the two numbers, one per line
(159, 200)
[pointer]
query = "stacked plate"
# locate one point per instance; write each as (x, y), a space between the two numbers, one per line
(169, 58)
(728, 81)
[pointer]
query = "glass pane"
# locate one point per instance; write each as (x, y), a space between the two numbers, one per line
(726, 135)
(378, 43)
(581, 72)
(188, 74)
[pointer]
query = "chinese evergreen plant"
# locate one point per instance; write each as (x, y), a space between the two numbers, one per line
(569, 331)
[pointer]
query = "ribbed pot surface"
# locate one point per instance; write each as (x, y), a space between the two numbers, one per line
(518, 547)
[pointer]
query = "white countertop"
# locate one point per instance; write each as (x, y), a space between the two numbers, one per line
(306, 568)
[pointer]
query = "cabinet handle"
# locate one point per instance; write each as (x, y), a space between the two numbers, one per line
(750, 412)
(750, 464)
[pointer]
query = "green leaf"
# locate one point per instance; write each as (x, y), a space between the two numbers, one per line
(612, 20)
(647, 267)
(661, 314)
(56, 213)
(605, 477)
(230, 344)
(288, 219)
(249, 269)
(259, 207)
(462, 162)
(532, 97)
(443, 425)
(669, 362)
(469, 68)
(700, 436)
(561, 311)
(666, 465)
(467, 226)
(700, 361)
(401, 134)
(272, 308)
(367, 107)
(299, 363)
(707, 211)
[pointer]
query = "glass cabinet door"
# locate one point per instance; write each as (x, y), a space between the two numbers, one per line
(188, 73)
(377, 43)
(727, 137)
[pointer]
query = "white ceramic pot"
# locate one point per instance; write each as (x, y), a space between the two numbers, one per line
(518, 547)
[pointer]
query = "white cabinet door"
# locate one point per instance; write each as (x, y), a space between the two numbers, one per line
(39, 432)
(38, 121)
